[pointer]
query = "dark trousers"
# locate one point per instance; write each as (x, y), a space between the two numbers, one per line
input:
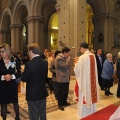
(118, 89)
(50, 84)
(100, 80)
(62, 93)
(4, 111)
(37, 109)
(55, 84)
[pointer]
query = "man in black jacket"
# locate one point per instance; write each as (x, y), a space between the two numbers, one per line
(35, 77)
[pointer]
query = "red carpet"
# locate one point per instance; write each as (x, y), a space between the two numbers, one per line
(102, 114)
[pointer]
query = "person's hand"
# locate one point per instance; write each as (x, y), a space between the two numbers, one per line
(21, 70)
(69, 57)
(76, 59)
(8, 77)
(22, 67)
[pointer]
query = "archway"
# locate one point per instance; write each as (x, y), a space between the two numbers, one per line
(6, 30)
(5, 22)
(53, 31)
(21, 15)
(45, 9)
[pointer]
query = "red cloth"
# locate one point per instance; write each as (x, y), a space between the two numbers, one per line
(93, 82)
(103, 114)
(77, 92)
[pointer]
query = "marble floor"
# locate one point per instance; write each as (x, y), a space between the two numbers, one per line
(70, 112)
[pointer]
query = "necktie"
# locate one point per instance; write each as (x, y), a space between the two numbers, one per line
(100, 60)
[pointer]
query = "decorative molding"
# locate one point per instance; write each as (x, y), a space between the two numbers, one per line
(104, 16)
(57, 7)
(62, 44)
(16, 26)
(35, 18)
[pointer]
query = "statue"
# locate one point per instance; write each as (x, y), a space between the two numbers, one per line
(100, 37)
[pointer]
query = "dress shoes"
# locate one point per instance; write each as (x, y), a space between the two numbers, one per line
(8, 112)
(110, 93)
(67, 104)
(103, 89)
(61, 108)
(106, 93)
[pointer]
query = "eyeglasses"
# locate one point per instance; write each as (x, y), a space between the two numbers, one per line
(1, 52)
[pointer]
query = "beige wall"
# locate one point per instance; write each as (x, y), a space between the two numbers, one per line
(72, 22)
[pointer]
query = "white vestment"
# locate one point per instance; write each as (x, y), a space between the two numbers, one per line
(83, 76)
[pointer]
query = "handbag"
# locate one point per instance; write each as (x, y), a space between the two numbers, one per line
(18, 80)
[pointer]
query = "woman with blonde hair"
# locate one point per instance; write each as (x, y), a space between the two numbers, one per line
(9, 72)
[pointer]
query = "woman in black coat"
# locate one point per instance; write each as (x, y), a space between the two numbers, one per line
(9, 71)
(118, 75)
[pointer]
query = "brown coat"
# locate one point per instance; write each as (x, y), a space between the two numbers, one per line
(62, 69)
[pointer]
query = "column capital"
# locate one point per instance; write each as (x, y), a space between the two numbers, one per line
(16, 26)
(35, 18)
(108, 16)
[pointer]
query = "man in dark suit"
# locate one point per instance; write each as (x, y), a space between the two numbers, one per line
(35, 77)
(100, 59)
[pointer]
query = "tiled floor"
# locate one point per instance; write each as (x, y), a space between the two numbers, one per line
(70, 112)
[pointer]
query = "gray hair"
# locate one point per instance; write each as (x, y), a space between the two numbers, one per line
(109, 54)
(118, 54)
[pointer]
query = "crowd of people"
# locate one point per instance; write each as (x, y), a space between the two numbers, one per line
(92, 68)
(52, 70)
(40, 69)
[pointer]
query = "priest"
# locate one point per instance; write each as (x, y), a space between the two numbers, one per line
(86, 88)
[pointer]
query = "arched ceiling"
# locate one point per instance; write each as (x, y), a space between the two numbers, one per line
(7, 22)
(48, 5)
(98, 6)
(22, 14)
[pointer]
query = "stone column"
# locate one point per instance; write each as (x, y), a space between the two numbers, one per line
(1, 36)
(79, 22)
(16, 37)
(104, 24)
(62, 8)
(71, 23)
(4, 33)
(34, 29)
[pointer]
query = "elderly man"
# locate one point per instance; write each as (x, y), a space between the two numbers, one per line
(87, 82)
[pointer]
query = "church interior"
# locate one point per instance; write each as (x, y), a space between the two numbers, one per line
(54, 24)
